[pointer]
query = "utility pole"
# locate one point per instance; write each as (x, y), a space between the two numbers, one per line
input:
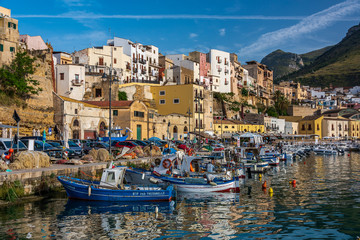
(189, 113)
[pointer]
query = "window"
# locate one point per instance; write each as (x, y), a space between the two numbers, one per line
(210, 109)
(309, 127)
(226, 127)
(162, 93)
(340, 127)
(101, 71)
(76, 59)
(318, 127)
(98, 92)
(115, 112)
(101, 61)
(1, 48)
(332, 127)
(76, 111)
(219, 126)
(233, 127)
(114, 60)
(303, 127)
(12, 49)
(176, 101)
(77, 77)
(62, 76)
(162, 101)
(138, 114)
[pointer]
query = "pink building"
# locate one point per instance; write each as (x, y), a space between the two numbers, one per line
(33, 43)
(203, 64)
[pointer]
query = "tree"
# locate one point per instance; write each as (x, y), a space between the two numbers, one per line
(16, 80)
(281, 103)
(122, 96)
(244, 92)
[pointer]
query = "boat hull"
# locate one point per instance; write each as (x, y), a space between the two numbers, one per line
(86, 191)
(230, 186)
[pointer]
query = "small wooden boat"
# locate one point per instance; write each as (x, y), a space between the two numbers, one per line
(111, 188)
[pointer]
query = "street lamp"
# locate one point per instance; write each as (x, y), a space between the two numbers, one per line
(197, 100)
(109, 78)
(188, 134)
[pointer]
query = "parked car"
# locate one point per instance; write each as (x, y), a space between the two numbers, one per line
(5, 145)
(40, 138)
(44, 147)
(70, 153)
(73, 146)
(139, 142)
(95, 145)
(125, 144)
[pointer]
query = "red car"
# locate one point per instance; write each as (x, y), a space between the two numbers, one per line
(126, 144)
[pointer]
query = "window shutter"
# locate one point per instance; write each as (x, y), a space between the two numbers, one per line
(1, 48)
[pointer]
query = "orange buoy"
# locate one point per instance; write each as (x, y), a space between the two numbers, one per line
(11, 150)
(348, 154)
(264, 185)
(291, 164)
(294, 183)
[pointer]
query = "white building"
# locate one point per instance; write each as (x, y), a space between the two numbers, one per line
(152, 58)
(274, 125)
(70, 80)
(220, 66)
(100, 59)
(317, 94)
(291, 127)
(138, 54)
(176, 58)
(355, 90)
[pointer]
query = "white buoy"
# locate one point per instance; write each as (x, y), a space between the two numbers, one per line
(143, 176)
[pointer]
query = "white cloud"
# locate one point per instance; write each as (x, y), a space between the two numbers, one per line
(315, 22)
(222, 32)
(76, 3)
(193, 35)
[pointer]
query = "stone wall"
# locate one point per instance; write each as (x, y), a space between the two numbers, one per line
(39, 113)
(302, 111)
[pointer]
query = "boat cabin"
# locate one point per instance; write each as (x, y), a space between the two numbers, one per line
(112, 177)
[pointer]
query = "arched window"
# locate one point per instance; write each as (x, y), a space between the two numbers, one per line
(175, 130)
(185, 129)
(76, 123)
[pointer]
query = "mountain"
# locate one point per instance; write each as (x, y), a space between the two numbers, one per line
(284, 63)
(339, 65)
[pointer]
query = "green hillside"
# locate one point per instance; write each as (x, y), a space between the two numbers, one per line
(339, 66)
(311, 56)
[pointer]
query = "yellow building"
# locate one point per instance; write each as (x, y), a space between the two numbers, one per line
(233, 126)
(62, 58)
(180, 99)
(9, 36)
(354, 124)
(311, 125)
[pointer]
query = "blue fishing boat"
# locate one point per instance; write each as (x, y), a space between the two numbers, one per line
(112, 188)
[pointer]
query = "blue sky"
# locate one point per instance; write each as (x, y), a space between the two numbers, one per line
(252, 29)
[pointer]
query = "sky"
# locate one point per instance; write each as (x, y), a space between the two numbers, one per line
(250, 28)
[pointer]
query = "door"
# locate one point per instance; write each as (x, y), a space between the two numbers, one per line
(138, 132)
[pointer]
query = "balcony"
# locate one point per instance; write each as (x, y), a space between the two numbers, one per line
(226, 82)
(219, 69)
(135, 70)
(142, 61)
(143, 71)
(134, 60)
(226, 70)
(128, 67)
(77, 82)
(199, 96)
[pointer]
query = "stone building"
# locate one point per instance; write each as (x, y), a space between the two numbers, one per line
(82, 120)
(9, 36)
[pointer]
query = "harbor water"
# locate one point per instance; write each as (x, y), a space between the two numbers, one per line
(323, 204)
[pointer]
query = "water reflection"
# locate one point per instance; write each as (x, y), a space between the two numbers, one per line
(325, 203)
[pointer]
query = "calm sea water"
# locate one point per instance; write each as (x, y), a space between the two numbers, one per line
(324, 204)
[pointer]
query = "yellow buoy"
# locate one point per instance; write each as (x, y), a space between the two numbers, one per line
(271, 190)
(260, 176)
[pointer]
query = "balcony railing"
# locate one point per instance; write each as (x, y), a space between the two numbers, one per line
(143, 71)
(135, 70)
(77, 82)
(128, 67)
(219, 69)
(219, 60)
(142, 61)
(134, 60)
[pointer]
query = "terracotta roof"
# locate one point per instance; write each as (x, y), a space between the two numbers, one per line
(313, 117)
(114, 104)
(291, 118)
(77, 101)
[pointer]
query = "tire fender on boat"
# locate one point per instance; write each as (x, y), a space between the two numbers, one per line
(166, 163)
(89, 190)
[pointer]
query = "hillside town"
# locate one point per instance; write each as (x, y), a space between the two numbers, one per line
(178, 96)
